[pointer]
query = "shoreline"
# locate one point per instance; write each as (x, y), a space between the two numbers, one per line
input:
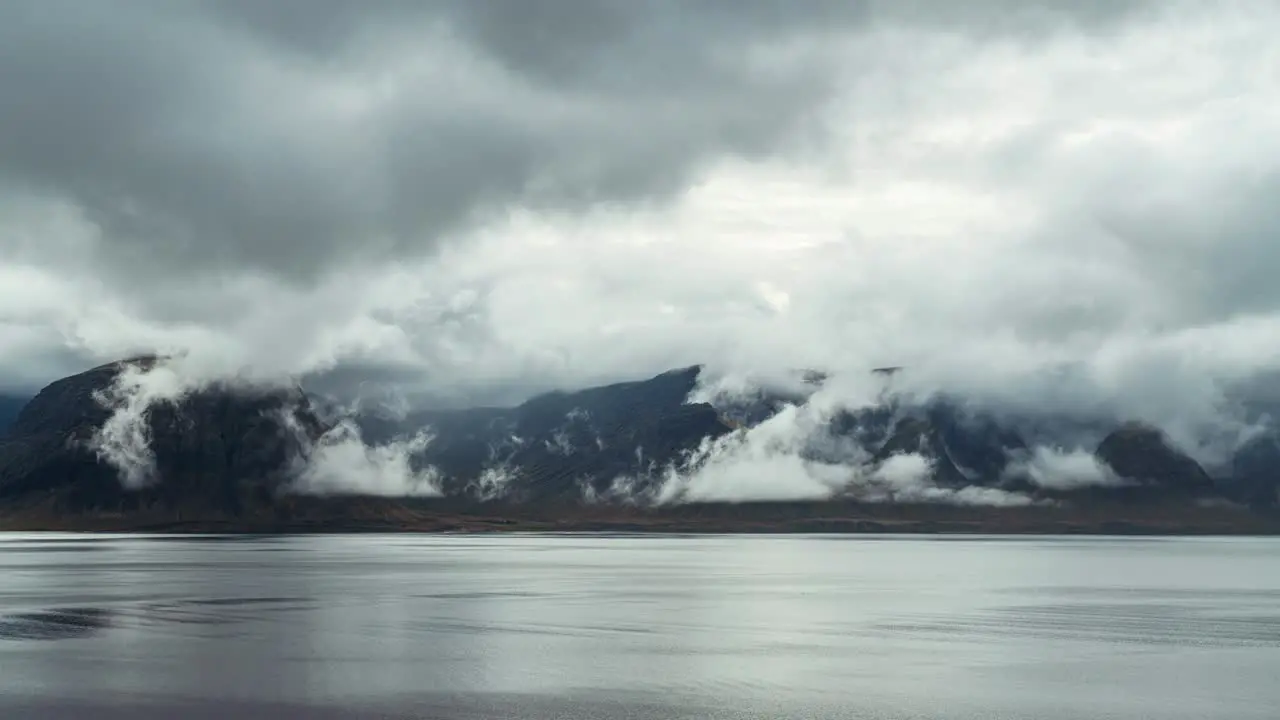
(364, 515)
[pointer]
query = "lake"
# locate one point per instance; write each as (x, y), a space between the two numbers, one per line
(638, 628)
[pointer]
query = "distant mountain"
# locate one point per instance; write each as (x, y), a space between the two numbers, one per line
(567, 446)
(1145, 456)
(562, 445)
(231, 451)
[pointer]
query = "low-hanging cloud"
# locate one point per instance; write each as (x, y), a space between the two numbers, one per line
(1061, 470)
(140, 384)
(494, 482)
(789, 456)
(124, 439)
(336, 461)
(796, 454)
(907, 478)
(340, 462)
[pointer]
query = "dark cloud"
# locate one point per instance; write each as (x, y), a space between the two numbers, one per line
(288, 137)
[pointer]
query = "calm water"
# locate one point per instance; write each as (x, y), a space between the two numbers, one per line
(613, 627)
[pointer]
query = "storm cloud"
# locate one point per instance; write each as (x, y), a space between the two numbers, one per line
(291, 138)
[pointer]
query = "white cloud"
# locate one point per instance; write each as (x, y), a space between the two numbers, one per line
(907, 478)
(339, 461)
(1057, 469)
(124, 440)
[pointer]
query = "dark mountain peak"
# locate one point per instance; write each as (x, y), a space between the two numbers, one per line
(68, 403)
(671, 387)
(216, 448)
(142, 361)
(606, 407)
(1137, 430)
(1143, 454)
(76, 400)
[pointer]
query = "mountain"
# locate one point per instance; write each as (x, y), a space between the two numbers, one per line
(230, 451)
(963, 447)
(562, 445)
(1143, 455)
(618, 442)
(218, 450)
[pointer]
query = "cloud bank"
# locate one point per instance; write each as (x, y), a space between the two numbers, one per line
(803, 452)
(1029, 203)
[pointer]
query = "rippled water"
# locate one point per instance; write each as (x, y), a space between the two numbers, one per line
(612, 627)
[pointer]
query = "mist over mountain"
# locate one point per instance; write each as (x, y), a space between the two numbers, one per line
(216, 450)
(130, 436)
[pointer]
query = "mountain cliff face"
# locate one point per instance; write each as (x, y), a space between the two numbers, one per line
(229, 450)
(964, 448)
(216, 450)
(1145, 456)
(563, 445)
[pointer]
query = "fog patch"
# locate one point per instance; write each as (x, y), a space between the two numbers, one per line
(494, 482)
(339, 462)
(908, 478)
(1063, 470)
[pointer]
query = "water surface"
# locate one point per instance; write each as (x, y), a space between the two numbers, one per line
(614, 627)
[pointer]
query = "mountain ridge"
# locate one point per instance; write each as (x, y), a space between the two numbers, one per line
(229, 451)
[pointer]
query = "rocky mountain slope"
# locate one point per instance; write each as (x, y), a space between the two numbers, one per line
(217, 449)
(233, 451)
(561, 445)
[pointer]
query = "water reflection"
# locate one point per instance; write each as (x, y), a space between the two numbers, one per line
(58, 624)
(729, 627)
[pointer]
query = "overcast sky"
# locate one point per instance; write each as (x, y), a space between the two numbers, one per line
(478, 199)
